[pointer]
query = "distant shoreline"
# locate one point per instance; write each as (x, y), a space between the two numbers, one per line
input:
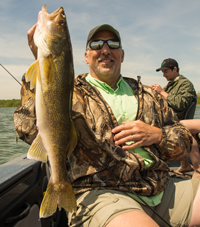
(10, 103)
(16, 102)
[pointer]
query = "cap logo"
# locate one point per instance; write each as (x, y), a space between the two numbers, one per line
(163, 63)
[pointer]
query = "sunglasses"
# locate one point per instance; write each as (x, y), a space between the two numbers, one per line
(98, 44)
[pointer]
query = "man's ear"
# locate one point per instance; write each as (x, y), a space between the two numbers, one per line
(86, 57)
(175, 69)
(122, 56)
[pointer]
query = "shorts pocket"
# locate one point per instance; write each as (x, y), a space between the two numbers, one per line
(96, 200)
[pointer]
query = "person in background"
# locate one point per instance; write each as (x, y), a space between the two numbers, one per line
(193, 125)
(124, 145)
(179, 93)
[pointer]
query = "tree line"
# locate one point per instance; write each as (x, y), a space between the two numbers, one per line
(10, 103)
(198, 98)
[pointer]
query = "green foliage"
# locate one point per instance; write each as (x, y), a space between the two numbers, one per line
(198, 98)
(10, 103)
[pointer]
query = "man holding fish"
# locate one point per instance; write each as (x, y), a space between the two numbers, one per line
(117, 156)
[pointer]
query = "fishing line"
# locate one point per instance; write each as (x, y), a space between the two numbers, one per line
(11, 74)
(124, 184)
(85, 63)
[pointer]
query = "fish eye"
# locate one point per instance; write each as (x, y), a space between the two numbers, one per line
(62, 22)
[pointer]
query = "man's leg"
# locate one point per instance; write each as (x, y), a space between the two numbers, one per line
(185, 166)
(195, 158)
(195, 219)
(132, 218)
(109, 208)
(177, 202)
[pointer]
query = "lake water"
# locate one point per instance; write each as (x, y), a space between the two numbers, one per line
(9, 148)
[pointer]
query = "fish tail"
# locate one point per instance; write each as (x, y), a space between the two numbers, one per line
(58, 196)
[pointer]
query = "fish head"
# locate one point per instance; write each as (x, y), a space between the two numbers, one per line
(51, 33)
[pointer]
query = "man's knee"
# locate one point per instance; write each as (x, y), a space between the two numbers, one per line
(132, 218)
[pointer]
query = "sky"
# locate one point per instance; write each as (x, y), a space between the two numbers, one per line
(151, 31)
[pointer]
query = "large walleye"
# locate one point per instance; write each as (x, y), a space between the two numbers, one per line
(53, 76)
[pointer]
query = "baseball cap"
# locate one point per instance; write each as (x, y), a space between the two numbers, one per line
(167, 64)
(100, 28)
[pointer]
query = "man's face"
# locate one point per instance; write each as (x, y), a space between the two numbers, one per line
(169, 74)
(105, 63)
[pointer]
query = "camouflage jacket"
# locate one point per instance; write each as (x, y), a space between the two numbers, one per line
(94, 120)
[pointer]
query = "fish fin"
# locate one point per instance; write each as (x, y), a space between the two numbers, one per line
(40, 41)
(58, 195)
(32, 74)
(37, 150)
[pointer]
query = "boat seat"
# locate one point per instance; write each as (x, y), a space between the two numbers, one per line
(189, 114)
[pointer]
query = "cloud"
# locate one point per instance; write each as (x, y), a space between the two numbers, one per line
(151, 31)
(17, 47)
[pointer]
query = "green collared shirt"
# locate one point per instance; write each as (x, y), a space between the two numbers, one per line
(124, 105)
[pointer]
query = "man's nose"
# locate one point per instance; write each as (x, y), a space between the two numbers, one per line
(105, 49)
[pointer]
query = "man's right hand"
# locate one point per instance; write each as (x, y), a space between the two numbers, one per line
(31, 43)
(142, 134)
(157, 88)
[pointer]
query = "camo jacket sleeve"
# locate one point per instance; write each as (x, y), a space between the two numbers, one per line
(176, 141)
(24, 116)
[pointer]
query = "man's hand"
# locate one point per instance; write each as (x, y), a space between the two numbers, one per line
(31, 43)
(157, 88)
(143, 134)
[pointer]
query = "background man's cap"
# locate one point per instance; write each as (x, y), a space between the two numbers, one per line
(167, 64)
(100, 28)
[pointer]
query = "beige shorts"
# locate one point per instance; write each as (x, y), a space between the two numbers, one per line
(98, 207)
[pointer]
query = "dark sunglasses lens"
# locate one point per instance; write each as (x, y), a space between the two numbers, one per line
(96, 45)
(113, 44)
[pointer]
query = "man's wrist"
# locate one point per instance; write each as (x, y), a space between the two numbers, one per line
(164, 94)
(160, 135)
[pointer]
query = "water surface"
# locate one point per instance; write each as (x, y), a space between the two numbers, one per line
(9, 148)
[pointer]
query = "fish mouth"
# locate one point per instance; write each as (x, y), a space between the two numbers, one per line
(52, 16)
(44, 18)
(50, 27)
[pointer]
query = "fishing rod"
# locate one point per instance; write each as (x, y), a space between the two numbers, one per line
(11, 74)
